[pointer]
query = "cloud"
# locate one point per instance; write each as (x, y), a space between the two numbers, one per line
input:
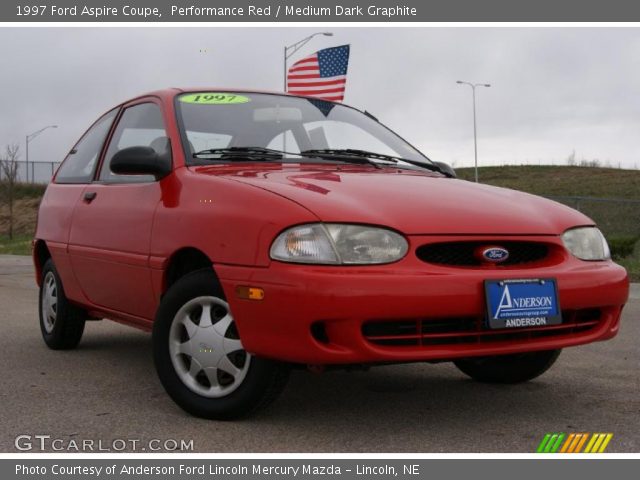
(554, 90)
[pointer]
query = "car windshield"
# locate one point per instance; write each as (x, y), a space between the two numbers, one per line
(220, 126)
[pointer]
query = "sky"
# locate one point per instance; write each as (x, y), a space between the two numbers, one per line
(553, 91)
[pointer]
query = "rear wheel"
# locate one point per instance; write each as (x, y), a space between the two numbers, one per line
(199, 356)
(508, 368)
(61, 323)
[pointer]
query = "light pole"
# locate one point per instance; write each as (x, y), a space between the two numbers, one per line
(293, 48)
(30, 137)
(475, 135)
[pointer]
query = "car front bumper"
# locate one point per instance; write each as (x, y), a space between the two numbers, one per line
(323, 315)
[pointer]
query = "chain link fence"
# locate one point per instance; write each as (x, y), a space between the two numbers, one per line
(33, 172)
(616, 217)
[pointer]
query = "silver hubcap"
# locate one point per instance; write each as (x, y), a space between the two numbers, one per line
(49, 302)
(205, 348)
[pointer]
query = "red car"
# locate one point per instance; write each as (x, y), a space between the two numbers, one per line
(254, 231)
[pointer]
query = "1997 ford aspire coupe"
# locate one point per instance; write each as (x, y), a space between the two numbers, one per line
(253, 231)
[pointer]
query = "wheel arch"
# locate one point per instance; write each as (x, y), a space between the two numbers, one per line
(40, 254)
(182, 262)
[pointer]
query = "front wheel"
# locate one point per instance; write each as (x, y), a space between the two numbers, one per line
(199, 356)
(515, 368)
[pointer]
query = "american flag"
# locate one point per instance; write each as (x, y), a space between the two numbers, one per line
(322, 75)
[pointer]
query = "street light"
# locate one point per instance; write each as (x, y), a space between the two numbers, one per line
(30, 137)
(293, 48)
(475, 136)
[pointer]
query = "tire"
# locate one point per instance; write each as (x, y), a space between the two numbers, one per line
(515, 368)
(199, 357)
(61, 323)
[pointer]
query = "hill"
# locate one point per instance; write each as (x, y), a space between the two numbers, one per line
(619, 219)
(611, 197)
(613, 203)
(551, 180)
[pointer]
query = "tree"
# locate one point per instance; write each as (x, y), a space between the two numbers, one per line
(9, 170)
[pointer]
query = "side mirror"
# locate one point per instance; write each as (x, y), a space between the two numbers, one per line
(141, 161)
(447, 169)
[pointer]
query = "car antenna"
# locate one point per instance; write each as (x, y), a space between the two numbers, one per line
(371, 116)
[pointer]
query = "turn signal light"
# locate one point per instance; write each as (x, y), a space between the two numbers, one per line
(249, 293)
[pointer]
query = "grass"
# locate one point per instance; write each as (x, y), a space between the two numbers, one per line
(27, 190)
(20, 245)
(618, 220)
(552, 180)
(632, 264)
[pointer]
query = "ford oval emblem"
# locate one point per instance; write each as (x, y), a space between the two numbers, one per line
(494, 254)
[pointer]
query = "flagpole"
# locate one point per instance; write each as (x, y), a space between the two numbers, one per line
(294, 48)
(284, 134)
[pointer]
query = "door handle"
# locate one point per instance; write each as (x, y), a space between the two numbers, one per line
(90, 196)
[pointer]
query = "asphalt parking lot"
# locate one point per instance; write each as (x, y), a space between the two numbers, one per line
(107, 389)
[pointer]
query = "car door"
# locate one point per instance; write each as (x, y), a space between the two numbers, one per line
(64, 192)
(111, 226)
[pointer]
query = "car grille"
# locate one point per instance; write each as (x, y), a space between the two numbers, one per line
(463, 254)
(466, 330)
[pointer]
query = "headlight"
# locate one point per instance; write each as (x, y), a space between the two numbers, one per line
(335, 243)
(586, 243)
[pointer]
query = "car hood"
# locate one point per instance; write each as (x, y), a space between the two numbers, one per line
(409, 201)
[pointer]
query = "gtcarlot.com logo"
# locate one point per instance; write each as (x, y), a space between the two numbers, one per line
(574, 443)
(47, 443)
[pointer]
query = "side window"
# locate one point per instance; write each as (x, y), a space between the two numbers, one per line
(139, 126)
(79, 165)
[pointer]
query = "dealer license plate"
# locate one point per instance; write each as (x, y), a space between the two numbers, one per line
(522, 303)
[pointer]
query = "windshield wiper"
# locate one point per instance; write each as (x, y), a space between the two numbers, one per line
(343, 155)
(349, 155)
(242, 152)
(354, 153)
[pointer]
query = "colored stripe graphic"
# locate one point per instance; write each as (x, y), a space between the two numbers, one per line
(581, 442)
(570, 439)
(550, 443)
(543, 443)
(592, 440)
(552, 440)
(606, 441)
(555, 447)
(598, 443)
(573, 443)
